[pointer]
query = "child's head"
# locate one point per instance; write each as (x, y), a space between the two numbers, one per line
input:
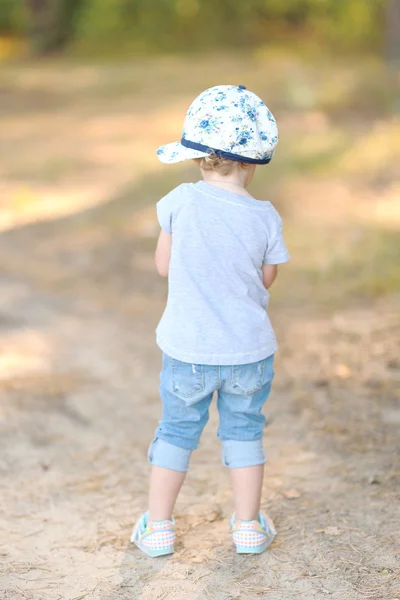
(225, 124)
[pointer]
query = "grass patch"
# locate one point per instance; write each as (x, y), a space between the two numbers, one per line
(338, 268)
(316, 152)
(372, 267)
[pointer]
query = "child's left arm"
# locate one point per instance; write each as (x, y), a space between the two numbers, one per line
(163, 253)
(269, 274)
(275, 254)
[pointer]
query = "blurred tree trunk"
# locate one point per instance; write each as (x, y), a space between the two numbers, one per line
(393, 32)
(50, 23)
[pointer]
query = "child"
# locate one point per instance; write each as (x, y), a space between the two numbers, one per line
(220, 248)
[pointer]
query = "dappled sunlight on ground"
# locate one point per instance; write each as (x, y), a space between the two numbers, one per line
(23, 354)
(81, 133)
(79, 162)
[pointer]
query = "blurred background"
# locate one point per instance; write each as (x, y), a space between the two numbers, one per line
(88, 90)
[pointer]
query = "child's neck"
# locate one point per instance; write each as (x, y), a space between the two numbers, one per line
(234, 182)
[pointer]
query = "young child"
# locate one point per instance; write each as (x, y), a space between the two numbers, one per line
(219, 248)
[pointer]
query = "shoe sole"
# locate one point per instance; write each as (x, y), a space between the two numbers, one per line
(154, 553)
(254, 550)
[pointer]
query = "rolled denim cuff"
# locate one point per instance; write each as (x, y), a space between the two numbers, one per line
(166, 455)
(238, 454)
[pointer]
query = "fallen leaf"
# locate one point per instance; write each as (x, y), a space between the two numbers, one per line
(331, 530)
(393, 364)
(291, 494)
(321, 383)
(374, 480)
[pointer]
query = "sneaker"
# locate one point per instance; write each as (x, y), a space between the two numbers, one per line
(252, 537)
(155, 538)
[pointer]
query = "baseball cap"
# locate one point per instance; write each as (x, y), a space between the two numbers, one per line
(227, 120)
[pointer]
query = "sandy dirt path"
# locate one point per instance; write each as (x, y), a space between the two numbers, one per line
(80, 409)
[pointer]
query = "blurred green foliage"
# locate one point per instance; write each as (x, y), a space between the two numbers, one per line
(12, 17)
(168, 25)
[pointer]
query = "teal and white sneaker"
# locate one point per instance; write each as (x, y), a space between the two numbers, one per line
(155, 538)
(252, 537)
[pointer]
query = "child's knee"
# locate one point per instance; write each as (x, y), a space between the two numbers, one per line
(166, 455)
(238, 454)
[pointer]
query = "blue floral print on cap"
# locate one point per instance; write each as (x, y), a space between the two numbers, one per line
(227, 120)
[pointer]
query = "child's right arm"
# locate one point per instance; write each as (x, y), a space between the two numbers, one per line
(269, 274)
(163, 253)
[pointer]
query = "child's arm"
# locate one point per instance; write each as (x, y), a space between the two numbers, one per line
(163, 253)
(269, 274)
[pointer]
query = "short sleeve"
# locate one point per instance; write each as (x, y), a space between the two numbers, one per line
(169, 206)
(164, 213)
(276, 252)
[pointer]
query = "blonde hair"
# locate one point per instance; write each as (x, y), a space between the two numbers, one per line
(223, 166)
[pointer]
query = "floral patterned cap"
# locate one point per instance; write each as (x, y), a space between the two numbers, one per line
(229, 121)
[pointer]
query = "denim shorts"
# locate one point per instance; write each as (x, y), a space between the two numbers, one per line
(186, 392)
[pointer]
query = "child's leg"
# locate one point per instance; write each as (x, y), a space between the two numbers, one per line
(165, 486)
(247, 486)
(240, 401)
(170, 461)
(186, 393)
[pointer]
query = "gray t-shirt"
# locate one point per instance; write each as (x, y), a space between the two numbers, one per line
(216, 308)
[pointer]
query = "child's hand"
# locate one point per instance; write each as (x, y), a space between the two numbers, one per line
(163, 253)
(269, 274)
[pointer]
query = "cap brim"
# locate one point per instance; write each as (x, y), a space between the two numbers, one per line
(176, 152)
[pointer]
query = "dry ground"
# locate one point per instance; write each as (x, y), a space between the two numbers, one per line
(78, 362)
